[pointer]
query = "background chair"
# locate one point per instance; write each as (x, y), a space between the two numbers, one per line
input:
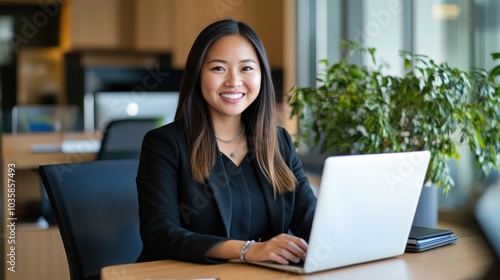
(96, 208)
(485, 215)
(44, 118)
(123, 138)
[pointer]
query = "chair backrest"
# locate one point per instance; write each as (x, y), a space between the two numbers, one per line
(96, 208)
(485, 214)
(122, 139)
(44, 118)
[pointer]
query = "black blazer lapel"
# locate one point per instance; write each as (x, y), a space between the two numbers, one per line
(219, 184)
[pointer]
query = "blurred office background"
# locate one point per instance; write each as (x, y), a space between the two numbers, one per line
(56, 52)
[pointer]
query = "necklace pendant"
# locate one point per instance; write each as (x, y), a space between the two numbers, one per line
(233, 155)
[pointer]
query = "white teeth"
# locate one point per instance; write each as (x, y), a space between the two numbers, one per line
(231, 95)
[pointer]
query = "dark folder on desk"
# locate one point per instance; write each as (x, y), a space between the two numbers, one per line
(424, 238)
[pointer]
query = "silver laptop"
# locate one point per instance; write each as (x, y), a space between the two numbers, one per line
(365, 209)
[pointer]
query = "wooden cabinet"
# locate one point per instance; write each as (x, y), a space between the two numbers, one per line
(168, 25)
(40, 76)
(144, 25)
(266, 17)
(153, 25)
(95, 24)
(40, 255)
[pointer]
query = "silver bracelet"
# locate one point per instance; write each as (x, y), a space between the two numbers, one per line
(245, 248)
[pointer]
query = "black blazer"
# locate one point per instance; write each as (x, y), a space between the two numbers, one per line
(181, 219)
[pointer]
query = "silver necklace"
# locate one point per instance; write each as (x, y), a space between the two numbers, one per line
(233, 154)
(236, 137)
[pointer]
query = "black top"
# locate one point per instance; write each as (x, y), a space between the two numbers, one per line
(246, 201)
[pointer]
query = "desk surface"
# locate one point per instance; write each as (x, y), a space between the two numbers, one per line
(18, 148)
(467, 259)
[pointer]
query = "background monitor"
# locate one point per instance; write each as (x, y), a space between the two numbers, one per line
(43, 118)
(113, 105)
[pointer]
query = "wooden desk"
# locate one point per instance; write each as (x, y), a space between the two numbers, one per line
(39, 251)
(17, 148)
(467, 259)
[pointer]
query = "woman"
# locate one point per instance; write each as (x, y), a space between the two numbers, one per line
(223, 181)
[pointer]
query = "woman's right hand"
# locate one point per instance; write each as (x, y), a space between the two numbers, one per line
(283, 248)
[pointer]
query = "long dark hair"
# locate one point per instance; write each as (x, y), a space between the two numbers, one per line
(259, 118)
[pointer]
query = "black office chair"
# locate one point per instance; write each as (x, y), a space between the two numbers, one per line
(122, 139)
(96, 208)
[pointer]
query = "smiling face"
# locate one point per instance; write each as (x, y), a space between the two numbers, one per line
(230, 76)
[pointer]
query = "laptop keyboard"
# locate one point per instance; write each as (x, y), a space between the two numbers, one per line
(299, 264)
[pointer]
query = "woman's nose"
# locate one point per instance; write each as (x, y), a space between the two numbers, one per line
(233, 80)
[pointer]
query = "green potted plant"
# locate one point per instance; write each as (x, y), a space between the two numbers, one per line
(356, 109)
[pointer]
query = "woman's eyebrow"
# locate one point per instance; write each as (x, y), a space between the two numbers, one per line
(217, 60)
(247, 60)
